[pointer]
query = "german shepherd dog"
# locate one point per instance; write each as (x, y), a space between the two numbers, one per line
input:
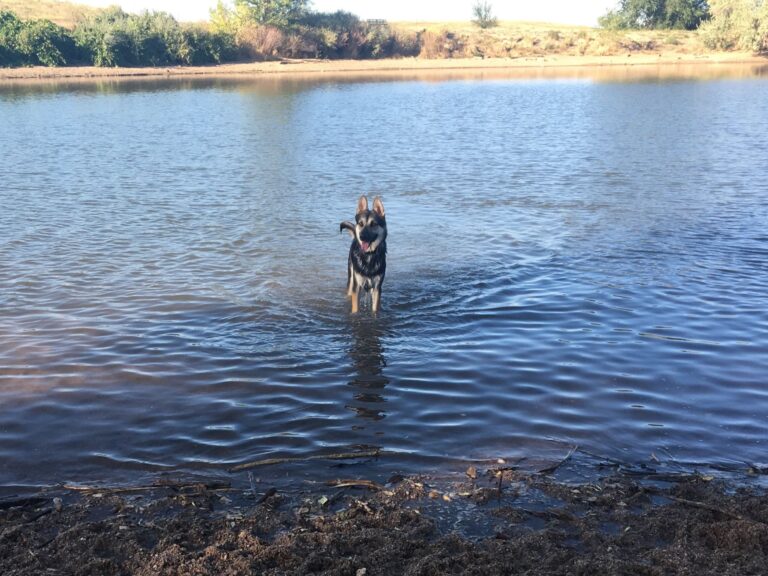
(368, 253)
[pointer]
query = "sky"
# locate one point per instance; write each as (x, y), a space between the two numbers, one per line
(583, 12)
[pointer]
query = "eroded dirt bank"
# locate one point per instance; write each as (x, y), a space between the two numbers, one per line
(479, 524)
(421, 66)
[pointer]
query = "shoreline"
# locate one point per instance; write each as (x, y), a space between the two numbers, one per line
(554, 63)
(490, 521)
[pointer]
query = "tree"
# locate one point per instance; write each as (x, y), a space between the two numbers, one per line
(739, 24)
(483, 13)
(665, 14)
(279, 13)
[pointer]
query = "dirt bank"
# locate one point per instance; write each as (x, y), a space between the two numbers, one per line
(481, 524)
(394, 66)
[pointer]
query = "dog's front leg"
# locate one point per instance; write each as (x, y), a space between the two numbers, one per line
(376, 293)
(350, 281)
(375, 298)
(355, 299)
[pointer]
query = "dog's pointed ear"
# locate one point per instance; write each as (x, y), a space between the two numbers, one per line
(378, 206)
(362, 205)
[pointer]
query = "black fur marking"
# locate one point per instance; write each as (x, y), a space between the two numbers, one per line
(369, 264)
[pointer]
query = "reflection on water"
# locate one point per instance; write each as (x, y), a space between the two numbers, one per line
(369, 381)
(279, 84)
(570, 262)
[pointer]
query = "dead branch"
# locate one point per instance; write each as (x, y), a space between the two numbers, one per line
(356, 484)
(556, 465)
(275, 461)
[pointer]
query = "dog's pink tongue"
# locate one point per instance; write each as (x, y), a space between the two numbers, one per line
(364, 246)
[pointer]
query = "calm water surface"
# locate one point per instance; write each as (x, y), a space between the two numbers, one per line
(571, 261)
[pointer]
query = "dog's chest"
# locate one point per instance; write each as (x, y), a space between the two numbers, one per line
(369, 265)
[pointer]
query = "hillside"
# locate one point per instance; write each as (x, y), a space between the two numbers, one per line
(62, 13)
(522, 39)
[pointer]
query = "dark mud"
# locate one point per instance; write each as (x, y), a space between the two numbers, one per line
(519, 524)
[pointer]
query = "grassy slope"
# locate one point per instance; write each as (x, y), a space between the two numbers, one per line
(63, 13)
(519, 39)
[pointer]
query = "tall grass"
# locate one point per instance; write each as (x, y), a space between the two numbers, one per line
(65, 14)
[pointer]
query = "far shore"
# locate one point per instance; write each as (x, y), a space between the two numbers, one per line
(554, 64)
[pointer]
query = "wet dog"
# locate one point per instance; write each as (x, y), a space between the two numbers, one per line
(367, 261)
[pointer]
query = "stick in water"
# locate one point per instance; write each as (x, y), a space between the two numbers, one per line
(274, 461)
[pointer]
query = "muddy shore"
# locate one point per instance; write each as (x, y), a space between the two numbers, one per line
(523, 65)
(489, 521)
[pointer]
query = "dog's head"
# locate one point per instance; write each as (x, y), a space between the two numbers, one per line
(370, 227)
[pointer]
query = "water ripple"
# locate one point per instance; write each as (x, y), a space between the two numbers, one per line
(562, 270)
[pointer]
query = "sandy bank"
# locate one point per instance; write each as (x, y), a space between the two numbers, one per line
(410, 66)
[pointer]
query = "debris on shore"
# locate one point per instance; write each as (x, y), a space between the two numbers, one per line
(495, 521)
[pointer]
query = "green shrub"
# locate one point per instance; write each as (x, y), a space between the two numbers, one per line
(656, 14)
(34, 42)
(279, 13)
(201, 46)
(115, 38)
(737, 24)
(339, 21)
(10, 26)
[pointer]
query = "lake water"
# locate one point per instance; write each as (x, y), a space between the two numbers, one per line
(577, 260)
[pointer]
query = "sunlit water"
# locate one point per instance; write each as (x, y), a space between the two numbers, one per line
(571, 261)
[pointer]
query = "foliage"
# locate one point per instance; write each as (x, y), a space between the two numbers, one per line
(737, 24)
(318, 35)
(483, 15)
(33, 42)
(115, 38)
(278, 13)
(656, 14)
(227, 20)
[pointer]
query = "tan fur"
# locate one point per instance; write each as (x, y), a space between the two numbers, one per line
(362, 204)
(378, 206)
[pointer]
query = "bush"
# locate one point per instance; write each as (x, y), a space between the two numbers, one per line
(115, 38)
(442, 45)
(260, 42)
(656, 14)
(737, 24)
(339, 21)
(279, 13)
(33, 42)
(201, 46)
(483, 15)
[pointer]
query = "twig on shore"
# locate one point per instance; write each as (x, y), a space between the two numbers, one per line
(275, 461)
(703, 506)
(710, 507)
(556, 465)
(253, 485)
(22, 502)
(210, 486)
(499, 472)
(267, 495)
(106, 489)
(608, 459)
(371, 485)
